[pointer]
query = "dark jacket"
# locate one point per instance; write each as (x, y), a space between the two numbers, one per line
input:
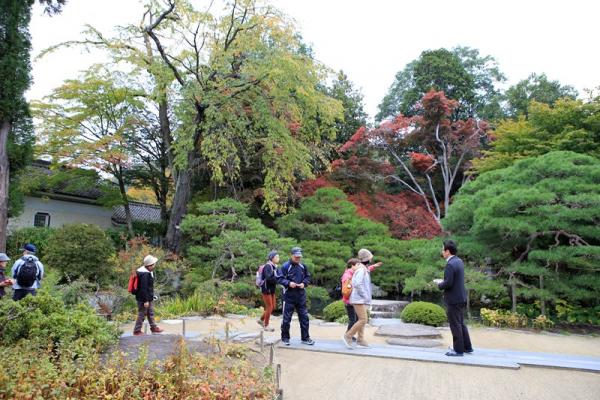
(454, 282)
(2, 279)
(145, 290)
(270, 280)
(297, 273)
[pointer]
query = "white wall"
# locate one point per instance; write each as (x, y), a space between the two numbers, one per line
(61, 213)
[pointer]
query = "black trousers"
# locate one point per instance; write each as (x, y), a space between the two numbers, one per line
(351, 315)
(299, 305)
(19, 294)
(460, 333)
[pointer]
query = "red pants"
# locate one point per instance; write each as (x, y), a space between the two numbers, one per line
(269, 300)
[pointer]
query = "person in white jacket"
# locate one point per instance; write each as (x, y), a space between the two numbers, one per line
(360, 298)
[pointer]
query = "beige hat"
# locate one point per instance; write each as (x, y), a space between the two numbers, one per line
(364, 255)
(149, 260)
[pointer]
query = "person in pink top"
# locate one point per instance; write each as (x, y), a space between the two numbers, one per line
(365, 257)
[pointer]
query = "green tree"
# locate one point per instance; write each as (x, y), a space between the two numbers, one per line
(82, 250)
(572, 125)
(248, 93)
(408, 265)
(89, 122)
(536, 88)
(224, 242)
(15, 67)
(537, 221)
(355, 116)
(462, 74)
(329, 216)
(153, 155)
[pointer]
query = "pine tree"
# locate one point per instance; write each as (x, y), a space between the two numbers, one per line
(537, 221)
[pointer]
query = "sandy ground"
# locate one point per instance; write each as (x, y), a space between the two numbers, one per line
(480, 336)
(310, 375)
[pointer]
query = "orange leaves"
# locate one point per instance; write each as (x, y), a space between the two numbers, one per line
(421, 162)
(403, 213)
(356, 139)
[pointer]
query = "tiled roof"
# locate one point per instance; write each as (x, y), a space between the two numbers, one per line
(140, 212)
(91, 193)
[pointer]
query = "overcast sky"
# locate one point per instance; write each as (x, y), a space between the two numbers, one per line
(373, 39)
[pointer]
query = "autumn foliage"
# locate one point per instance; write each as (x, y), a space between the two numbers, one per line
(403, 213)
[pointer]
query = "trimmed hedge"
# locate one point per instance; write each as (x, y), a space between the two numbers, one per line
(421, 312)
(334, 311)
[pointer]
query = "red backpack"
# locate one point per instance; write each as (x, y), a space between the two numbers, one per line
(132, 287)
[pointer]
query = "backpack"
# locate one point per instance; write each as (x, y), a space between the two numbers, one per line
(347, 288)
(132, 287)
(259, 276)
(27, 273)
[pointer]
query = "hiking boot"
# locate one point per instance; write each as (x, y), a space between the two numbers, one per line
(308, 342)
(347, 341)
(285, 341)
(363, 344)
(138, 333)
(156, 329)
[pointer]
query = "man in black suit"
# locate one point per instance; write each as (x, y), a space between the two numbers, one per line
(455, 297)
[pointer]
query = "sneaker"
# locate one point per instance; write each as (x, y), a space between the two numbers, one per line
(347, 342)
(138, 333)
(259, 321)
(156, 329)
(285, 341)
(364, 345)
(268, 329)
(454, 354)
(308, 342)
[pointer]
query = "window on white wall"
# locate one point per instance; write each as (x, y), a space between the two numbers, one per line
(41, 220)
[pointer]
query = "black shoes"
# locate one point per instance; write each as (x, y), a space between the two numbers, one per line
(308, 342)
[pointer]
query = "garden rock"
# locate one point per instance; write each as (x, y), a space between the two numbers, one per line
(413, 342)
(376, 291)
(408, 331)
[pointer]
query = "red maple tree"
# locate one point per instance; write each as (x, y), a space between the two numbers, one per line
(430, 147)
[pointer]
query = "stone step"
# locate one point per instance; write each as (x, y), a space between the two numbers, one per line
(408, 331)
(388, 305)
(384, 314)
(414, 342)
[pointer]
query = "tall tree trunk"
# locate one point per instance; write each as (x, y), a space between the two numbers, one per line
(123, 190)
(542, 302)
(183, 194)
(513, 292)
(4, 183)
(165, 130)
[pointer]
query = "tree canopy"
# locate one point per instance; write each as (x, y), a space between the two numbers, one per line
(538, 221)
(536, 88)
(461, 73)
(567, 124)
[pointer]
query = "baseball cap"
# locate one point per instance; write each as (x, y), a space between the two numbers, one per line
(297, 251)
(30, 248)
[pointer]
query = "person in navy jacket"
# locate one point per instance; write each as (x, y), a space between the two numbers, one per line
(455, 297)
(294, 277)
